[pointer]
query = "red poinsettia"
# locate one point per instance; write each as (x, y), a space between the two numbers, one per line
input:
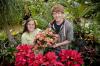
(50, 60)
(71, 58)
(24, 55)
(50, 56)
(37, 61)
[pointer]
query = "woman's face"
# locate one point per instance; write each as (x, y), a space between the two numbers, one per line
(31, 26)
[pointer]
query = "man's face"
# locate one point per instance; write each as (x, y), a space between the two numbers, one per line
(58, 16)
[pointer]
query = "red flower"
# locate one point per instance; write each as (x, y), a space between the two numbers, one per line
(58, 64)
(24, 56)
(39, 58)
(76, 65)
(71, 57)
(23, 47)
(50, 56)
(50, 60)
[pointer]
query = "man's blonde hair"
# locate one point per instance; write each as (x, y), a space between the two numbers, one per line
(58, 8)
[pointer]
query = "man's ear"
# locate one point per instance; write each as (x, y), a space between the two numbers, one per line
(52, 21)
(64, 15)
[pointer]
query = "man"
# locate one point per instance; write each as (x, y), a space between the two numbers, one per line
(62, 27)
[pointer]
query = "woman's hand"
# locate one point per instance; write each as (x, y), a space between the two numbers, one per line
(35, 47)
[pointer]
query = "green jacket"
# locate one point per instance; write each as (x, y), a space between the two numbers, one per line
(28, 38)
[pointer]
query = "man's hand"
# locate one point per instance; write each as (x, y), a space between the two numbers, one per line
(62, 43)
(56, 45)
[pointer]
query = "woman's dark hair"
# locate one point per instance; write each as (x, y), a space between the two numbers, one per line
(26, 22)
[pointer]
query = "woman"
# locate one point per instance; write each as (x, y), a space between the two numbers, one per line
(29, 32)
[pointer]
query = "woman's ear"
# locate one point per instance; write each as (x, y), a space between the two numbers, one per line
(36, 22)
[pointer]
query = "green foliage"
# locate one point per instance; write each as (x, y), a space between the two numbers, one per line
(10, 12)
(42, 23)
(97, 18)
(7, 55)
(3, 35)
